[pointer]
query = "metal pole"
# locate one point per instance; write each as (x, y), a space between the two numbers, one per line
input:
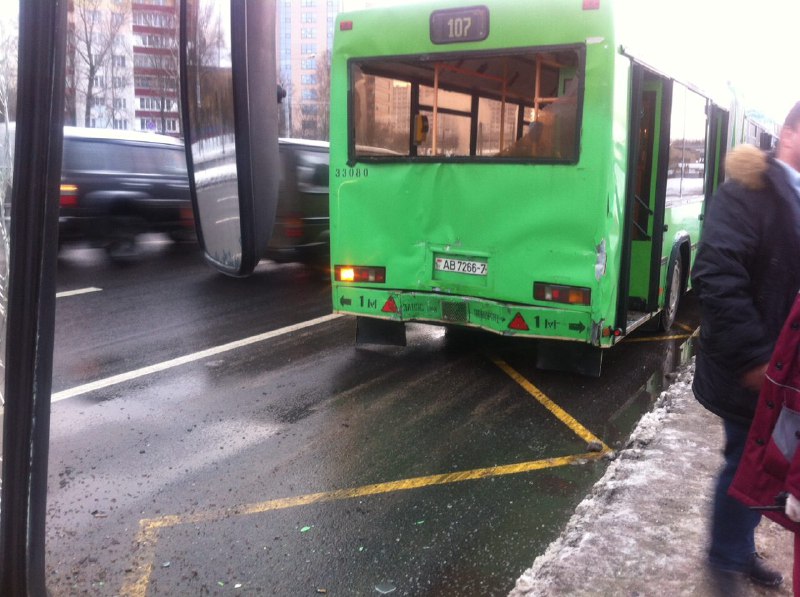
(31, 305)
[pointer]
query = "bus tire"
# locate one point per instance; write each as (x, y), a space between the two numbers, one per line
(671, 301)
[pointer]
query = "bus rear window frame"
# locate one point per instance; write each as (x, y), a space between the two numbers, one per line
(580, 71)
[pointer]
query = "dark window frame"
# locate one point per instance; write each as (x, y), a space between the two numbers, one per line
(354, 64)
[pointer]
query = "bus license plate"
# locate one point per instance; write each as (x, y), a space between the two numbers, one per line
(460, 266)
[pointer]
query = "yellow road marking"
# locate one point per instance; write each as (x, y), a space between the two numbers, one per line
(139, 575)
(368, 490)
(147, 537)
(658, 338)
(685, 327)
(554, 408)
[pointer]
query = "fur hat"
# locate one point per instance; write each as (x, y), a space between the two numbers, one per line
(746, 165)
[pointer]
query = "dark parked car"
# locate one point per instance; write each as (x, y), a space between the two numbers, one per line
(118, 184)
(302, 229)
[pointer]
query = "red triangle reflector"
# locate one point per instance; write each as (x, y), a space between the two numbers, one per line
(518, 323)
(390, 306)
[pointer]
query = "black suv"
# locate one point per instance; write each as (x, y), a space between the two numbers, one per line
(118, 184)
(302, 229)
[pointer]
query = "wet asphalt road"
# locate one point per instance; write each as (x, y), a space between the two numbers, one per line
(300, 465)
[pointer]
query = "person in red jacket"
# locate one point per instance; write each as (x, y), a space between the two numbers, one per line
(746, 277)
(769, 471)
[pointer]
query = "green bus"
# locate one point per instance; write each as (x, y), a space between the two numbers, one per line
(513, 167)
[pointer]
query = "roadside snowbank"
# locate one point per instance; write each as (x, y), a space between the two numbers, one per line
(642, 529)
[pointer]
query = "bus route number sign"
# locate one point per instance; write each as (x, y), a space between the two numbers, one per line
(459, 25)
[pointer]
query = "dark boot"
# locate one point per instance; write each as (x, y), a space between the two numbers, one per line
(762, 574)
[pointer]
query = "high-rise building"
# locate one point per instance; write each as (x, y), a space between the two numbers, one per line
(129, 51)
(156, 65)
(305, 39)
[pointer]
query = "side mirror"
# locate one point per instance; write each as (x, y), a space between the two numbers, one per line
(230, 118)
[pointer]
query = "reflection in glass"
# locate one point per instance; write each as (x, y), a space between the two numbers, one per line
(523, 105)
(489, 118)
(213, 147)
(9, 27)
(676, 142)
(694, 148)
(687, 147)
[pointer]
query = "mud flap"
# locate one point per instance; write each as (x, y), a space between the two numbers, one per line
(570, 357)
(380, 331)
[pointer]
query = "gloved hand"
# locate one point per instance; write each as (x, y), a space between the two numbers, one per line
(793, 508)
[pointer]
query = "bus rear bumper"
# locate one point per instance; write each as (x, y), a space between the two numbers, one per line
(509, 319)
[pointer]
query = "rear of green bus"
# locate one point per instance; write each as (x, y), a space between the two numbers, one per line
(475, 177)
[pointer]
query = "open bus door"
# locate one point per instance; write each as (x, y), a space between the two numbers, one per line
(651, 97)
(677, 148)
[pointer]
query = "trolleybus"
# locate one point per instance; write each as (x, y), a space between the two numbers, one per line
(513, 167)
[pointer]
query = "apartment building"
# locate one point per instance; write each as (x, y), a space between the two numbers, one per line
(122, 65)
(156, 66)
(305, 38)
(128, 50)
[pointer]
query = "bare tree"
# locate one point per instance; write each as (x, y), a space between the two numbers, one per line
(285, 110)
(96, 29)
(212, 48)
(8, 105)
(323, 97)
(8, 69)
(70, 109)
(312, 115)
(209, 88)
(118, 71)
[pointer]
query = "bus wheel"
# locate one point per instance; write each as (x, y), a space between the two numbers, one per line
(675, 281)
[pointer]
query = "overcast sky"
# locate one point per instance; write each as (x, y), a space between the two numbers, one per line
(751, 45)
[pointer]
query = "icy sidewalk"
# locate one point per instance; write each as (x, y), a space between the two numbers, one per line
(642, 530)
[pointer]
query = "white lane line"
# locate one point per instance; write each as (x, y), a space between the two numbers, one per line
(189, 358)
(77, 292)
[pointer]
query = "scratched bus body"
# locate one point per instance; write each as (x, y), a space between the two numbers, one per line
(512, 167)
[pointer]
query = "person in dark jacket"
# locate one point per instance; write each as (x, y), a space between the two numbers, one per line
(746, 275)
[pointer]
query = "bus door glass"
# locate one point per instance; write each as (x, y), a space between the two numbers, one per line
(647, 131)
(717, 143)
(690, 157)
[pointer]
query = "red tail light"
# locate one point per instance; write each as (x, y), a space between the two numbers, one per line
(293, 228)
(359, 273)
(570, 295)
(187, 217)
(69, 195)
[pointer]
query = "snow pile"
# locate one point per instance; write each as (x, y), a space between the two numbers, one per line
(643, 526)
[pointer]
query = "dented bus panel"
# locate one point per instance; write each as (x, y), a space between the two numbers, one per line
(491, 170)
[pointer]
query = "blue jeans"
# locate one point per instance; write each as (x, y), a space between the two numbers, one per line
(733, 525)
